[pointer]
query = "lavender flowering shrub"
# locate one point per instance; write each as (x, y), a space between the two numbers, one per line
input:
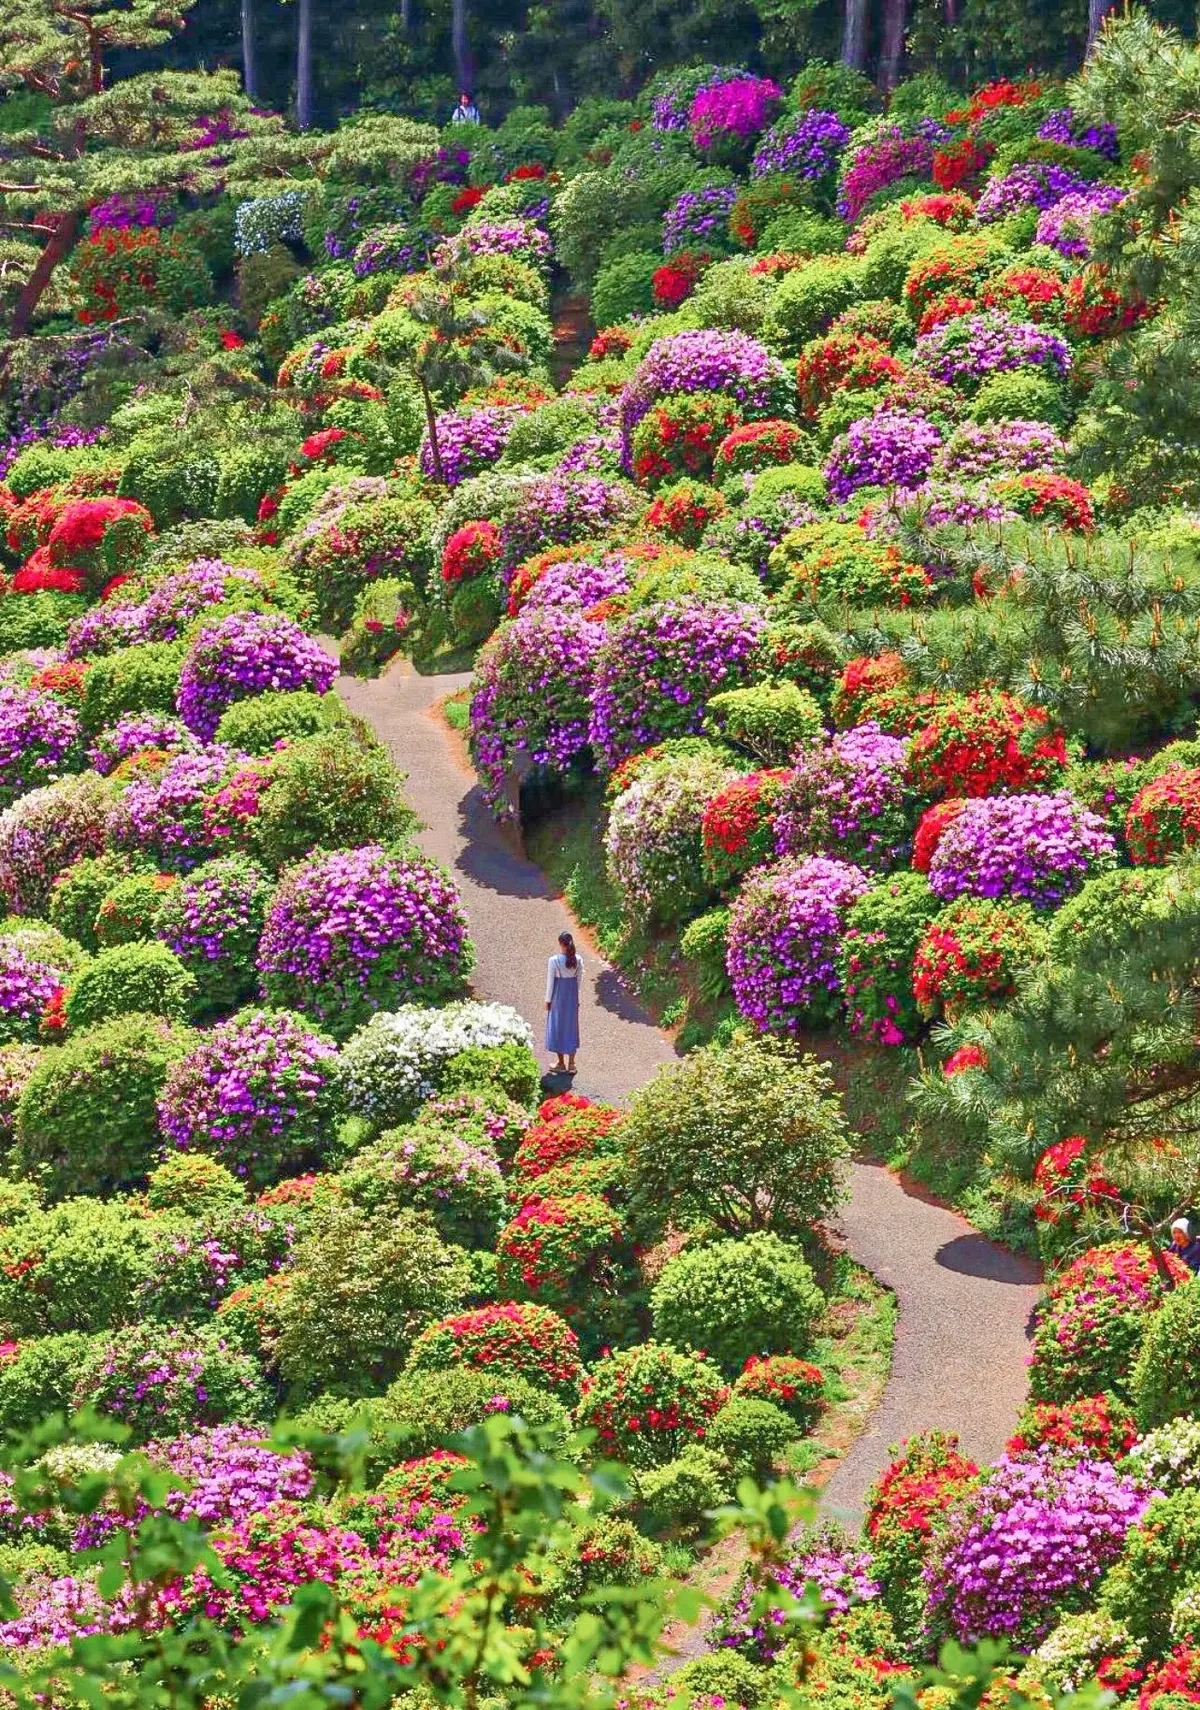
(247, 653)
(558, 509)
(1067, 224)
(359, 930)
(176, 600)
(659, 666)
(256, 1092)
(134, 732)
(163, 1381)
(848, 792)
(652, 842)
(1068, 127)
(1037, 849)
(212, 919)
(104, 629)
(1035, 184)
(39, 740)
(805, 144)
(468, 443)
(575, 584)
(964, 352)
(35, 963)
(168, 816)
(976, 450)
(1027, 1545)
(828, 1562)
(45, 831)
(889, 449)
(785, 927)
(531, 694)
(697, 219)
(706, 361)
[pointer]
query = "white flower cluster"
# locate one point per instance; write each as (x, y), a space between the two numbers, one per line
(391, 1066)
(266, 220)
(1169, 1458)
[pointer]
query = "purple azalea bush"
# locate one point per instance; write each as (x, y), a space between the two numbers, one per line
(1034, 184)
(134, 732)
(178, 599)
(247, 653)
(1066, 126)
(520, 238)
(103, 629)
(256, 1092)
(468, 443)
(1027, 1545)
(785, 927)
(697, 217)
(707, 360)
(166, 816)
(659, 666)
(212, 919)
(34, 964)
(557, 509)
(890, 449)
(1067, 225)
(1036, 848)
(965, 351)
(976, 450)
(358, 930)
(531, 694)
(39, 740)
(833, 1567)
(806, 144)
(576, 584)
(848, 792)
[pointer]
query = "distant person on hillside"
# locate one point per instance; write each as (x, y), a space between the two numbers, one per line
(466, 113)
(1185, 1245)
(563, 974)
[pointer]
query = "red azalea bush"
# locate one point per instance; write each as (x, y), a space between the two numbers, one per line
(842, 362)
(120, 269)
(982, 743)
(970, 954)
(510, 1339)
(38, 575)
(679, 436)
(1094, 1318)
(789, 1382)
(1026, 293)
(947, 308)
(583, 1130)
(1067, 1178)
(685, 510)
(904, 1506)
(957, 271)
(471, 550)
(467, 199)
(960, 165)
(674, 282)
(561, 1251)
(932, 823)
(737, 828)
(646, 1404)
(1093, 309)
(100, 538)
(873, 686)
(610, 342)
(1096, 1427)
(757, 445)
(1049, 498)
(951, 209)
(1163, 821)
(28, 524)
(1169, 1684)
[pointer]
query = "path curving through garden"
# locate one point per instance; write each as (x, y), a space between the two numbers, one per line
(963, 1303)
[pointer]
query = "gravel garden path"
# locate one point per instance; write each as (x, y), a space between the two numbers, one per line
(964, 1304)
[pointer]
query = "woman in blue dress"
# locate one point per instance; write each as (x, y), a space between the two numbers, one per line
(563, 974)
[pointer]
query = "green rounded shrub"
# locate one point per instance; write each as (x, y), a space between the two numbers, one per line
(40, 1380)
(624, 287)
(39, 620)
(127, 912)
(771, 720)
(163, 1381)
(1020, 396)
(79, 890)
(212, 919)
(1161, 1555)
(1166, 1373)
(678, 1497)
(130, 979)
(74, 1266)
(510, 1069)
(330, 791)
(756, 1295)
(458, 1184)
(193, 1184)
(430, 1409)
(752, 1435)
(134, 679)
(258, 725)
(87, 1119)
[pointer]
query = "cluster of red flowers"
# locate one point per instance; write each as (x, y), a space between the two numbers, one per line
(681, 436)
(1001, 92)
(676, 279)
(556, 1249)
(738, 826)
(752, 446)
(509, 1338)
(1049, 498)
(467, 199)
(66, 679)
(970, 958)
(1065, 1176)
(532, 169)
(790, 1382)
(1095, 310)
(685, 511)
(839, 362)
(916, 1488)
(948, 308)
(966, 1057)
(318, 447)
(1164, 817)
(958, 275)
(932, 824)
(961, 164)
(977, 744)
(1098, 1425)
(564, 1132)
(952, 209)
(1034, 293)
(471, 550)
(610, 341)
(867, 683)
(296, 1190)
(1177, 1680)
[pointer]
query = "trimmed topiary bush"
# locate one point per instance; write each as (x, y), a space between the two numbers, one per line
(258, 725)
(431, 1169)
(771, 720)
(74, 1266)
(40, 1379)
(737, 1299)
(132, 979)
(752, 1435)
(432, 1408)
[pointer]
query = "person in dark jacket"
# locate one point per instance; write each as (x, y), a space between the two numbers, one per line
(1185, 1245)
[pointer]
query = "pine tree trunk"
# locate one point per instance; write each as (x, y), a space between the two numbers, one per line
(435, 450)
(459, 43)
(1098, 10)
(304, 64)
(854, 33)
(58, 246)
(249, 54)
(891, 47)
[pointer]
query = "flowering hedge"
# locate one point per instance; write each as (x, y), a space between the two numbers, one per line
(647, 1403)
(244, 654)
(359, 930)
(512, 1339)
(971, 952)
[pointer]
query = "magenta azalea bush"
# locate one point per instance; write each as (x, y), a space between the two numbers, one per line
(840, 1573)
(965, 351)
(212, 919)
(39, 740)
(468, 442)
(247, 653)
(256, 1092)
(890, 449)
(359, 930)
(169, 816)
(785, 927)
(1036, 849)
(848, 792)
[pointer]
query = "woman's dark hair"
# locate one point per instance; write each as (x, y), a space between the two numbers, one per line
(568, 944)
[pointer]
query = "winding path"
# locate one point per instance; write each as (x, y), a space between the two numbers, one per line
(964, 1304)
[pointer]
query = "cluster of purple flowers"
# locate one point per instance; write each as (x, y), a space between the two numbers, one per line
(531, 692)
(447, 166)
(659, 666)
(359, 930)
(785, 927)
(595, 454)
(1035, 848)
(255, 1092)
(104, 629)
(889, 449)
(1066, 225)
(493, 237)
(1065, 126)
(889, 156)
(175, 601)
(42, 389)
(696, 217)
(576, 584)
(1034, 184)
(247, 653)
(807, 144)
(1028, 1544)
(395, 248)
(132, 733)
(39, 740)
(840, 1574)
(212, 920)
(557, 509)
(468, 443)
(978, 449)
(30, 974)
(165, 816)
(967, 349)
(852, 786)
(707, 360)
(740, 107)
(125, 213)
(675, 92)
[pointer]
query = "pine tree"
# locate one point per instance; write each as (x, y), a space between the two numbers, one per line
(455, 352)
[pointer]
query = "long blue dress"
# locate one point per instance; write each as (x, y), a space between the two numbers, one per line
(562, 994)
